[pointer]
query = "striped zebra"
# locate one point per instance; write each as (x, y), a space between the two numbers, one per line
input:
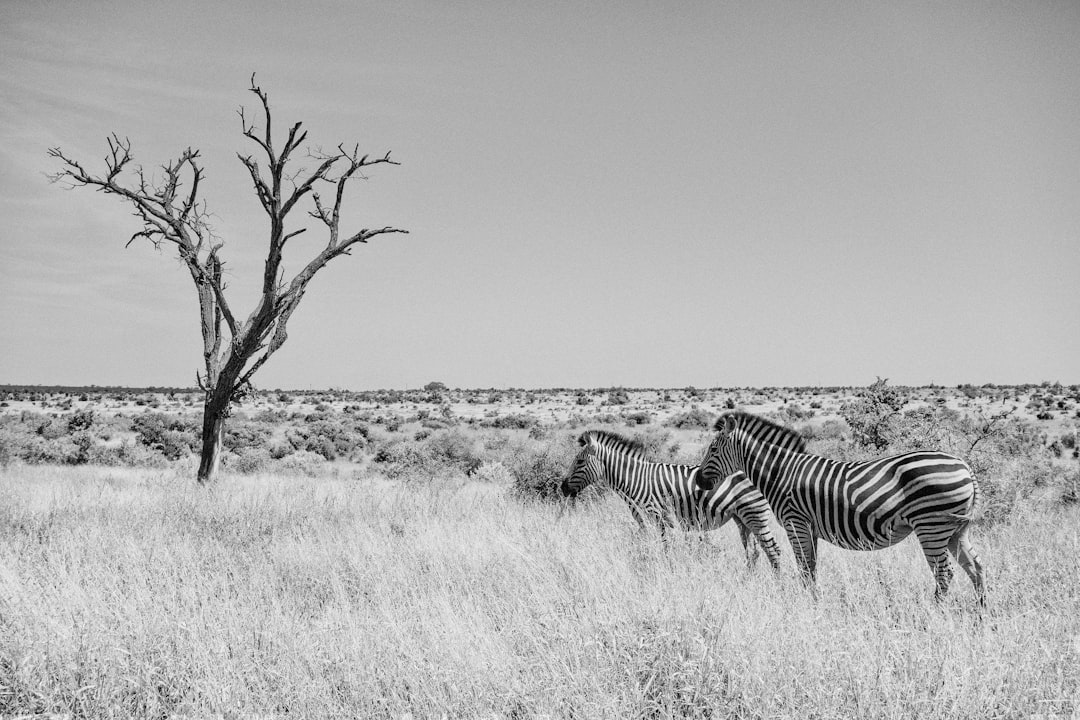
(855, 505)
(668, 493)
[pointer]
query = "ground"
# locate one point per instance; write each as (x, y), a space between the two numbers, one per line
(406, 585)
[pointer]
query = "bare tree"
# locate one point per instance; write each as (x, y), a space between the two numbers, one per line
(172, 213)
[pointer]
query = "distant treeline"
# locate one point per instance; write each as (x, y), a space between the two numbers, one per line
(440, 388)
(93, 389)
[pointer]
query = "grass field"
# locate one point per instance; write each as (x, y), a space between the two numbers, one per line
(129, 592)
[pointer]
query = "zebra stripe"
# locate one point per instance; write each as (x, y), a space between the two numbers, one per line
(854, 505)
(668, 494)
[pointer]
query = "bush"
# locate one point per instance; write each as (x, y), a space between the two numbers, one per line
(50, 430)
(692, 419)
(330, 439)
(513, 421)
(270, 416)
(617, 396)
(302, 462)
(870, 417)
(173, 437)
(638, 418)
(249, 461)
(795, 412)
(245, 436)
(407, 461)
(444, 453)
(657, 444)
(80, 420)
(494, 472)
(456, 449)
(538, 469)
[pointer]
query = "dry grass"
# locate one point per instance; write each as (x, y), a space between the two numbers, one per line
(133, 593)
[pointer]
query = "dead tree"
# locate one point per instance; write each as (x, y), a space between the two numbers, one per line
(172, 213)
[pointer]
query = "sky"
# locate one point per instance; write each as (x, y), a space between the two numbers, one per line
(639, 194)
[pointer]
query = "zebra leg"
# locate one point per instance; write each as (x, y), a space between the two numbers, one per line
(804, 544)
(960, 547)
(750, 547)
(765, 541)
(935, 541)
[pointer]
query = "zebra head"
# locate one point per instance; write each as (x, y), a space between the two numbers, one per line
(720, 459)
(587, 467)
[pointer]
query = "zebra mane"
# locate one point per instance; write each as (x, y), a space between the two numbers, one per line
(764, 430)
(614, 441)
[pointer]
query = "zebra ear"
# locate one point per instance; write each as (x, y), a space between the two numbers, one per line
(583, 439)
(725, 424)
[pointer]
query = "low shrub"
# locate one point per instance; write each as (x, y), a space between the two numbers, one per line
(330, 439)
(657, 444)
(871, 414)
(241, 436)
(694, 418)
(539, 468)
(302, 462)
(172, 436)
(513, 421)
(249, 461)
(457, 449)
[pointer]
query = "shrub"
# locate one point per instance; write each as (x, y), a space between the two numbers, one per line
(173, 437)
(244, 436)
(494, 472)
(513, 421)
(870, 416)
(617, 396)
(657, 444)
(457, 449)
(50, 430)
(795, 412)
(80, 420)
(270, 416)
(249, 461)
(302, 462)
(638, 418)
(329, 438)
(538, 469)
(407, 461)
(692, 419)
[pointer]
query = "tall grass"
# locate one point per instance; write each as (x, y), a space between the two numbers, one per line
(131, 593)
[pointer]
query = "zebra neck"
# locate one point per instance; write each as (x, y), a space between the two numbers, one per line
(768, 465)
(621, 467)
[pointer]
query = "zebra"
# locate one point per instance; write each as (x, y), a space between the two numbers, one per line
(854, 505)
(667, 493)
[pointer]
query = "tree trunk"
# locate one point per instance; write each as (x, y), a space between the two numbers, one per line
(214, 412)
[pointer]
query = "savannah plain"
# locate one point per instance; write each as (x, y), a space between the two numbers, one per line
(404, 554)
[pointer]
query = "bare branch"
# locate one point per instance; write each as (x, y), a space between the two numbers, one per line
(267, 141)
(119, 155)
(364, 235)
(319, 174)
(248, 131)
(262, 190)
(294, 233)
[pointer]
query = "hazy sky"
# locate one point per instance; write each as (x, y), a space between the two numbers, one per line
(620, 193)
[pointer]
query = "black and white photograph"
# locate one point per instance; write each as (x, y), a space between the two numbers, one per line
(524, 360)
